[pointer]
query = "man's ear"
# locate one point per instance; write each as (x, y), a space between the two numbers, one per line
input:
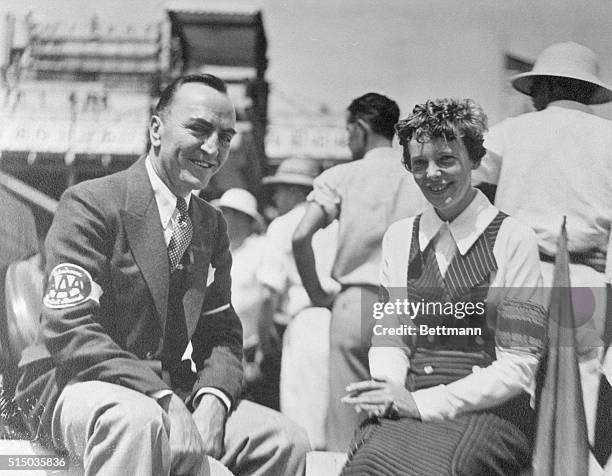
(364, 125)
(365, 129)
(155, 129)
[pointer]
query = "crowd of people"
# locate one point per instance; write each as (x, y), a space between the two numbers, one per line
(172, 328)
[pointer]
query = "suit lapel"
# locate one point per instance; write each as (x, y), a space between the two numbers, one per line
(199, 257)
(146, 237)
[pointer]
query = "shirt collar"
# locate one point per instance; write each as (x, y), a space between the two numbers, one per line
(166, 200)
(567, 104)
(465, 229)
(380, 152)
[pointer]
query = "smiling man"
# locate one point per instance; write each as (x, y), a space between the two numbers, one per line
(191, 132)
(127, 261)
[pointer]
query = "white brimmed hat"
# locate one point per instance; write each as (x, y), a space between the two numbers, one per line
(241, 200)
(566, 60)
(294, 171)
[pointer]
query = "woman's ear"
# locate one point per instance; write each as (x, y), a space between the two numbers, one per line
(155, 129)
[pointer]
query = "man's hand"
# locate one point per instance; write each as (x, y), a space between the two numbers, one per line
(382, 398)
(209, 417)
(252, 368)
(596, 259)
(186, 446)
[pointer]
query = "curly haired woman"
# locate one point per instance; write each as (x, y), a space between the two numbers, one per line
(454, 357)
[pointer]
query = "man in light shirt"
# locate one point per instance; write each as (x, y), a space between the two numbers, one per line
(365, 196)
(557, 162)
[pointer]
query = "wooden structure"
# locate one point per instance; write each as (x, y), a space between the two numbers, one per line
(75, 100)
(229, 42)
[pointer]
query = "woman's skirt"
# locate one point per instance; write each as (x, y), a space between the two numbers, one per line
(474, 444)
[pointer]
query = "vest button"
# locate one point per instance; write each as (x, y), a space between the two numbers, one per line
(431, 339)
(479, 340)
(428, 369)
(149, 355)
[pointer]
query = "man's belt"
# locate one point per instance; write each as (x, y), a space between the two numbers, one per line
(577, 257)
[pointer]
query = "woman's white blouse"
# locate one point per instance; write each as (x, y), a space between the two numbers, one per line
(517, 277)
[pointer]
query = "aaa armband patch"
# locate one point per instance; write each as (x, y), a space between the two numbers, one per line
(70, 285)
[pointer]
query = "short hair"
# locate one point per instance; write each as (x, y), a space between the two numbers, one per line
(561, 87)
(380, 112)
(167, 94)
(447, 118)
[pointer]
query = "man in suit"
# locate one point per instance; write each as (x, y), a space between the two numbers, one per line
(127, 258)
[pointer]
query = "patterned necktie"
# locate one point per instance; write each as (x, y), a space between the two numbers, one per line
(181, 235)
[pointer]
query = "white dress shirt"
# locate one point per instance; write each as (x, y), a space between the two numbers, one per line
(169, 216)
(552, 163)
(365, 196)
(517, 277)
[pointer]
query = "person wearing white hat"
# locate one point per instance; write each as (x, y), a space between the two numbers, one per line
(304, 356)
(292, 182)
(555, 162)
(239, 207)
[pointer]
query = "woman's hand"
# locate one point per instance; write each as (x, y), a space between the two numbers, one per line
(382, 398)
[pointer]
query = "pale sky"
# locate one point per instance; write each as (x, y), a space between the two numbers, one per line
(326, 52)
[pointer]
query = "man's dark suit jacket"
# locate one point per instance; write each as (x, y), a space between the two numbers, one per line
(111, 228)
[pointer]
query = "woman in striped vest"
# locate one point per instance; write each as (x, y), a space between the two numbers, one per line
(460, 324)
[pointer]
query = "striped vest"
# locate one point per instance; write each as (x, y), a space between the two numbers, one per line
(440, 359)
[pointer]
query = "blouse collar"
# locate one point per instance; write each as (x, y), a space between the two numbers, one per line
(465, 229)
